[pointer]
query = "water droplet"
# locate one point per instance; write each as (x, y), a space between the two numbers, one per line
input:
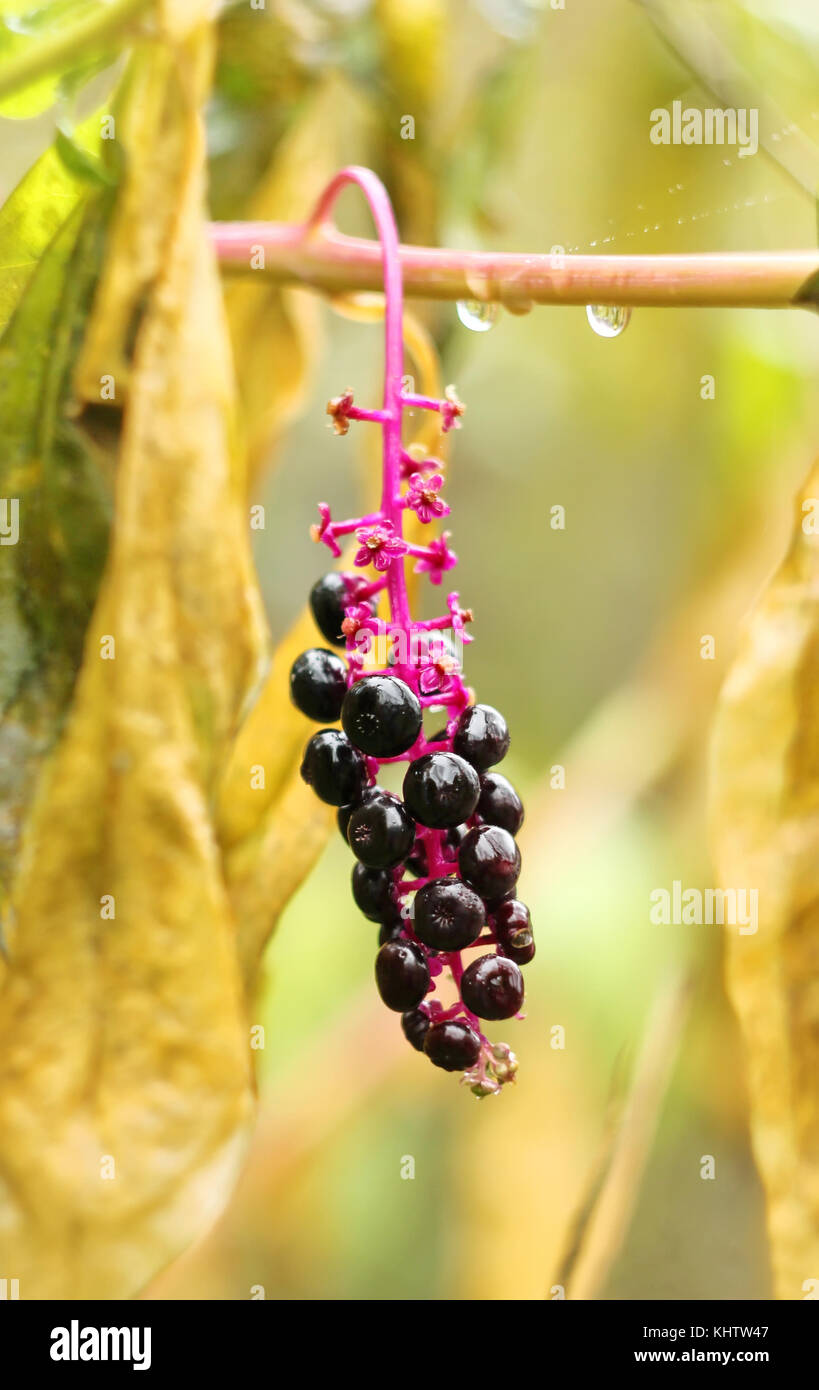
(608, 320)
(477, 314)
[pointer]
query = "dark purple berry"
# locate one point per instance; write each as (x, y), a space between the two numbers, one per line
(415, 1024)
(481, 737)
(448, 915)
(372, 891)
(513, 927)
(381, 716)
(380, 832)
(344, 812)
(492, 987)
(489, 861)
(441, 790)
(499, 803)
(329, 597)
(453, 1046)
(333, 768)
(318, 684)
(402, 975)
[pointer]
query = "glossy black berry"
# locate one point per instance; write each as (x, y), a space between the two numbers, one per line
(492, 987)
(489, 861)
(499, 803)
(451, 1045)
(344, 812)
(318, 684)
(513, 927)
(329, 597)
(415, 1024)
(448, 915)
(380, 832)
(481, 737)
(441, 790)
(333, 768)
(402, 975)
(372, 891)
(381, 716)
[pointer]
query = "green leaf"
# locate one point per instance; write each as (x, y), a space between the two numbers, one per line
(79, 160)
(42, 51)
(55, 479)
(29, 219)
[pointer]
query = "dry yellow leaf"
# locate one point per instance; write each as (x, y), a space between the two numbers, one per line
(765, 807)
(126, 1092)
(148, 118)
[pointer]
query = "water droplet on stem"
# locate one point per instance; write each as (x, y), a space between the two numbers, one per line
(608, 320)
(477, 314)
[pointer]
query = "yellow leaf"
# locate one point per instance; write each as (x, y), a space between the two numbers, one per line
(765, 805)
(148, 117)
(126, 1090)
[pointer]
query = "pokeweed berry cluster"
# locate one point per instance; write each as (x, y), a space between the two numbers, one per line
(437, 867)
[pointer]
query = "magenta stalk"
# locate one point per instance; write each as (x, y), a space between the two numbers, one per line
(315, 254)
(390, 416)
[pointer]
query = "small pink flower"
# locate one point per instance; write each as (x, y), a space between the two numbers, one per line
(338, 410)
(439, 558)
(379, 545)
(422, 496)
(324, 531)
(356, 617)
(438, 675)
(451, 410)
(460, 616)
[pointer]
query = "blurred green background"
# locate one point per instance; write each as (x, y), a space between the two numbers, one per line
(532, 131)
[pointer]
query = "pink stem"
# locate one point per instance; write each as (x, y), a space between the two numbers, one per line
(390, 419)
(338, 264)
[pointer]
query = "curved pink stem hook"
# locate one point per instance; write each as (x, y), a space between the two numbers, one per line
(382, 213)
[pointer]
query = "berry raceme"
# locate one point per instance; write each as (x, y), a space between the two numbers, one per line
(436, 868)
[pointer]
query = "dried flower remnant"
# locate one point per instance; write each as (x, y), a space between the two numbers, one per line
(435, 869)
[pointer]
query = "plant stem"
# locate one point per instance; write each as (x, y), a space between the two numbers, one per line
(390, 417)
(69, 46)
(321, 257)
